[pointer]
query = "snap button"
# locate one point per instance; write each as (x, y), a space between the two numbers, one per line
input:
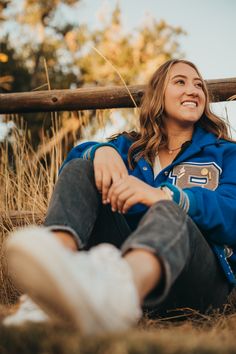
(204, 171)
(166, 173)
(145, 168)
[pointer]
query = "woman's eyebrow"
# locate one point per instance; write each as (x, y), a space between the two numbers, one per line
(185, 77)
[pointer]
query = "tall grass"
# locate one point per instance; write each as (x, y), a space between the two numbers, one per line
(26, 182)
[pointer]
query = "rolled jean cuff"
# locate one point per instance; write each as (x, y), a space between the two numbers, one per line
(155, 297)
(74, 234)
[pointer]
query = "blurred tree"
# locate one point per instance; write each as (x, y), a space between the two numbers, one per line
(14, 74)
(5, 79)
(39, 35)
(74, 54)
(3, 6)
(135, 55)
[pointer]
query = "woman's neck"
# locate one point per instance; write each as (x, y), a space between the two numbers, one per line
(178, 135)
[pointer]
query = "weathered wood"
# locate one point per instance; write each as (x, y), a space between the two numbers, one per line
(94, 98)
(70, 100)
(221, 89)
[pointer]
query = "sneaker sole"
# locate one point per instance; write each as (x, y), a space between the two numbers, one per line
(38, 268)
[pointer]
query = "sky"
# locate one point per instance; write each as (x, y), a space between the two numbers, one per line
(210, 27)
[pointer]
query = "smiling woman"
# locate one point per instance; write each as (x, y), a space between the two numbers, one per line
(184, 96)
(143, 222)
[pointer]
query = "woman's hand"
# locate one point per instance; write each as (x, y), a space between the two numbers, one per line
(108, 169)
(130, 190)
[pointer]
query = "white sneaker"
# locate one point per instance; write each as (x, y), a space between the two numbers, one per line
(27, 311)
(92, 290)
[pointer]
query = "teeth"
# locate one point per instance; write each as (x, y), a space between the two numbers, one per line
(188, 103)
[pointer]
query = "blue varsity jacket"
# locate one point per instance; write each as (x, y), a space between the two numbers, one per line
(203, 181)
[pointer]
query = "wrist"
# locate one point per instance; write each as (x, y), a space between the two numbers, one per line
(178, 196)
(168, 192)
(157, 194)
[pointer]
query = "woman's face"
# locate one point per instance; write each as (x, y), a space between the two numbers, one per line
(184, 97)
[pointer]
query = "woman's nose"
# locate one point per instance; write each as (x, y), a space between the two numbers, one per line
(191, 90)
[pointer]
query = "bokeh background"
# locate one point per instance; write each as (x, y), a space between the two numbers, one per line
(86, 42)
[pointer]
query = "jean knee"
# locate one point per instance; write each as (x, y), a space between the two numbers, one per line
(78, 166)
(79, 163)
(169, 209)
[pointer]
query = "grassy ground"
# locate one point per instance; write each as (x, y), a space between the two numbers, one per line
(27, 187)
(208, 336)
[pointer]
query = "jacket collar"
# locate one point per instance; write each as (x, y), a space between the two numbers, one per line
(201, 138)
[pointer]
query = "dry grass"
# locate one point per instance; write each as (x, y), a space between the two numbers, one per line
(164, 339)
(26, 185)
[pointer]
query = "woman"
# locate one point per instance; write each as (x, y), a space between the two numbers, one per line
(154, 208)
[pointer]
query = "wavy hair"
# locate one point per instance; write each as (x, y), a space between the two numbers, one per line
(152, 133)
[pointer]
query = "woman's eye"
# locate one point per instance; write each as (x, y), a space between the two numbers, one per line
(180, 82)
(199, 84)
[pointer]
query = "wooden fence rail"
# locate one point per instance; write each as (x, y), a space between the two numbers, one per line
(94, 98)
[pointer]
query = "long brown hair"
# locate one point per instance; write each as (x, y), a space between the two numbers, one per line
(152, 133)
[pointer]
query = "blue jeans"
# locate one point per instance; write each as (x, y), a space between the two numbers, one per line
(192, 276)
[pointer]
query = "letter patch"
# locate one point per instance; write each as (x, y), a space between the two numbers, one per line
(193, 174)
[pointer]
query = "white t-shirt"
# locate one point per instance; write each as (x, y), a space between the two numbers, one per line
(156, 166)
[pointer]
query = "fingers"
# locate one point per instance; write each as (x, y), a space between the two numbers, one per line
(113, 179)
(129, 203)
(113, 193)
(106, 183)
(124, 201)
(98, 179)
(121, 194)
(117, 198)
(126, 192)
(104, 180)
(108, 169)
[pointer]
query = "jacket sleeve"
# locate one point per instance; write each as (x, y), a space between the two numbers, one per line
(87, 150)
(215, 211)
